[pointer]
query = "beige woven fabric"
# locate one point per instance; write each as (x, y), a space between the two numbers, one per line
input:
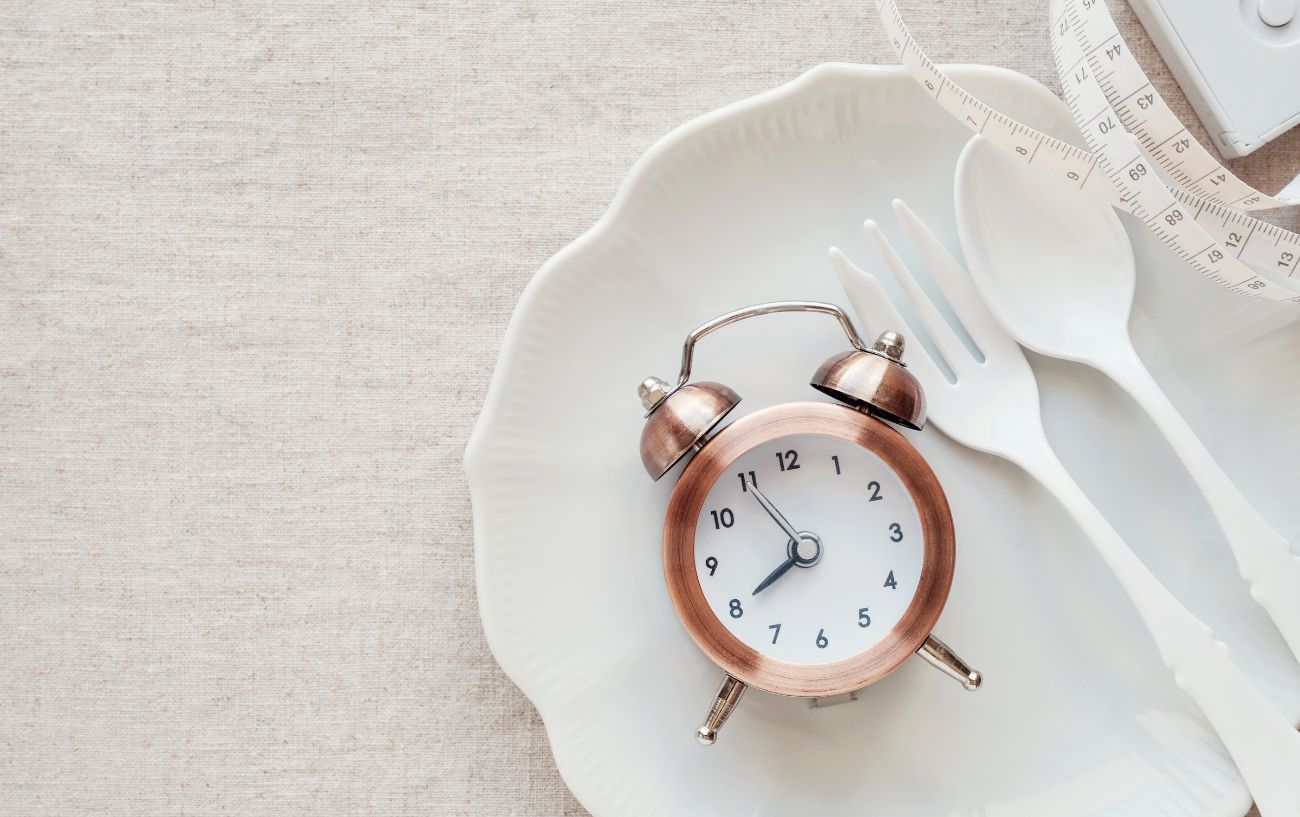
(255, 263)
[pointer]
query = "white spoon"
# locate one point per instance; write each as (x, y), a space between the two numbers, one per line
(1056, 270)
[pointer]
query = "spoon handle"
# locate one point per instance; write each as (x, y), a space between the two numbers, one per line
(1264, 746)
(1264, 557)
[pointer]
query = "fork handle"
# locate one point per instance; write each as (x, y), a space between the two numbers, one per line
(1264, 557)
(1264, 746)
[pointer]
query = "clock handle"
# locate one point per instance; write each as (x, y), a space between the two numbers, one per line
(723, 703)
(688, 348)
(941, 656)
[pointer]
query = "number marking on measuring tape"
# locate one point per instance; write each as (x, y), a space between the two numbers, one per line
(1123, 118)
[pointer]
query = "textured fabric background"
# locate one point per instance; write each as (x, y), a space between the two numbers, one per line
(255, 263)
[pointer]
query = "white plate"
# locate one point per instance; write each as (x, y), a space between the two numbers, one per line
(1077, 716)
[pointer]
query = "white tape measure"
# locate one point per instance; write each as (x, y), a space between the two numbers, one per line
(1123, 119)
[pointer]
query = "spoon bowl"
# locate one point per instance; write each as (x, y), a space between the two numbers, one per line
(1030, 241)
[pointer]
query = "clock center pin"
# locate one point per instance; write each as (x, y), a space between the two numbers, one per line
(807, 551)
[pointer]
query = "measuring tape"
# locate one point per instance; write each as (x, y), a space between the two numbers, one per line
(1202, 217)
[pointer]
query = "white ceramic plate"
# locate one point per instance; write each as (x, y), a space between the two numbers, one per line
(1077, 716)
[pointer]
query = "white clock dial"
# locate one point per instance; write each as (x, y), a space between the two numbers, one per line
(852, 574)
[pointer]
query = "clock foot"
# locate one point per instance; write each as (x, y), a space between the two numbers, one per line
(725, 701)
(939, 655)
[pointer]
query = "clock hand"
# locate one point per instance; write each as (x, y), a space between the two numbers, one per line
(776, 574)
(796, 539)
(771, 509)
(805, 551)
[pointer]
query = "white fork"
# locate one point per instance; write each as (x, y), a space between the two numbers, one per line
(993, 407)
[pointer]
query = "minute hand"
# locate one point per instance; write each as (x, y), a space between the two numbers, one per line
(776, 515)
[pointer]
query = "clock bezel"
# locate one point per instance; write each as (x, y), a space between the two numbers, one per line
(743, 661)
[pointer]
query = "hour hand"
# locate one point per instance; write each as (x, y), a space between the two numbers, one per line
(776, 574)
(805, 551)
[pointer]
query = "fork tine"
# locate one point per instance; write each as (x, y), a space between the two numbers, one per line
(957, 286)
(941, 333)
(876, 313)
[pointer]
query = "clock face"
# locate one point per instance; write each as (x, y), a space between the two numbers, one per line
(838, 589)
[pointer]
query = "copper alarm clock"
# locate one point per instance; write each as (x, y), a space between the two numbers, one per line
(808, 547)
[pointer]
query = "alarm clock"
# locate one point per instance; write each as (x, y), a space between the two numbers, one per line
(808, 547)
